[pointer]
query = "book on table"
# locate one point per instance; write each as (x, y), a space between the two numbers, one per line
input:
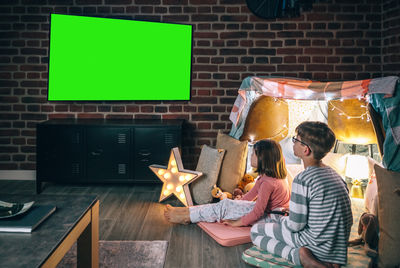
(27, 221)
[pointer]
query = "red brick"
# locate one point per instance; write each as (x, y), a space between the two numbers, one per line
(290, 67)
(346, 67)
(119, 116)
(175, 116)
(204, 100)
(204, 51)
(348, 51)
(204, 117)
(89, 108)
(90, 116)
(289, 59)
(203, 92)
(207, 84)
(262, 68)
(131, 109)
(190, 109)
(175, 109)
(60, 116)
(146, 109)
(318, 60)
(319, 67)
(294, 51)
(161, 109)
(204, 125)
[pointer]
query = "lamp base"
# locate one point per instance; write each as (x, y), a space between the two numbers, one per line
(357, 192)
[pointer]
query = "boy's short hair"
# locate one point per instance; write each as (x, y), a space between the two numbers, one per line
(318, 136)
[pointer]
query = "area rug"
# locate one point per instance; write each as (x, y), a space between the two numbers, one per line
(146, 254)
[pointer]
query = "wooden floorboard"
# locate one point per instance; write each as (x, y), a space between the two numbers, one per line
(132, 212)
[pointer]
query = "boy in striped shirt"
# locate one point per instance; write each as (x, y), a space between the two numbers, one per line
(316, 232)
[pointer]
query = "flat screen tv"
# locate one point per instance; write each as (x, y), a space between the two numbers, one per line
(102, 59)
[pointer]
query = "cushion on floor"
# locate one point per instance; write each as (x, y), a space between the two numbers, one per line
(356, 258)
(225, 235)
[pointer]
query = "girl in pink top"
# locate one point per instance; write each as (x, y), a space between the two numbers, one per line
(271, 192)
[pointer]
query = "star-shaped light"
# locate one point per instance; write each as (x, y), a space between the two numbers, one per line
(176, 179)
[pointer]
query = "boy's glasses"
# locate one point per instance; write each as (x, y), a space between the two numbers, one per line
(294, 139)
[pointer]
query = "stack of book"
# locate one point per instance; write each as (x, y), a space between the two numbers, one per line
(23, 217)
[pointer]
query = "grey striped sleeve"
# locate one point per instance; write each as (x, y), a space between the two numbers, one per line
(298, 206)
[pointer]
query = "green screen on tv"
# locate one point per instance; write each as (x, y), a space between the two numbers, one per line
(101, 59)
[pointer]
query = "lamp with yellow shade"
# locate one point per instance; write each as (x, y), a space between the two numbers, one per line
(349, 119)
(268, 118)
(357, 171)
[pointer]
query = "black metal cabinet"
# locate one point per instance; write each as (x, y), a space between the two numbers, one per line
(57, 144)
(71, 150)
(152, 146)
(109, 152)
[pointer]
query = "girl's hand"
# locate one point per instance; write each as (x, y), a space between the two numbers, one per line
(238, 197)
(234, 223)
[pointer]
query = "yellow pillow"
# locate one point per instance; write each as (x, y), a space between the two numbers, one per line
(234, 162)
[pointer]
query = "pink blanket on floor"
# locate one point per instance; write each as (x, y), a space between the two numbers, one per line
(225, 235)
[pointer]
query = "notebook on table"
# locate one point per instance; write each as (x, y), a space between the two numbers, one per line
(28, 221)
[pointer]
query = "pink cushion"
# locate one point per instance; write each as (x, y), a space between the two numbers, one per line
(226, 235)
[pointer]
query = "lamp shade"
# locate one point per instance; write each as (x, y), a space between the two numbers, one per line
(268, 118)
(357, 167)
(348, 120)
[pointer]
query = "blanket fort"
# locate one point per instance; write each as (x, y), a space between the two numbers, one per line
(383, 94)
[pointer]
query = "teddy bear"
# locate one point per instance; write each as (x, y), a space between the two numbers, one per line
(216, 192)
(246, 179)
(244, 186)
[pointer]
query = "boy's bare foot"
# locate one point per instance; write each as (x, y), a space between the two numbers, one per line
(177, 214)
(308, 260)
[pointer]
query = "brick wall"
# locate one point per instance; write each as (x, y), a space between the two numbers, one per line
(391, 37)
(336, 40)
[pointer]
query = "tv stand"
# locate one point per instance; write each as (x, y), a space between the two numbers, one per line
(92, 150)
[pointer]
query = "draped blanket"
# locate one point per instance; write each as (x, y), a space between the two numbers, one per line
(299, 89)
(383, 92)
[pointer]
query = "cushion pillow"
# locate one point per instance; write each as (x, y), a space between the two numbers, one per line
(225, 235)
(356, 258)
(210, 164)
(234, 163)
(389, 216)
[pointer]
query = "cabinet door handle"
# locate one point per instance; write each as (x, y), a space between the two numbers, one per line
(97, 152)
(145, 154)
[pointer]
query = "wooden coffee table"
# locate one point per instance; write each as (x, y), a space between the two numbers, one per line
(75, 219)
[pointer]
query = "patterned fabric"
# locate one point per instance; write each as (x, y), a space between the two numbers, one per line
(300, 89)
(225, 209)
(356, 258)
(260, 258)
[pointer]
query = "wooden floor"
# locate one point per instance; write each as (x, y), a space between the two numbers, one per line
(132, 212)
